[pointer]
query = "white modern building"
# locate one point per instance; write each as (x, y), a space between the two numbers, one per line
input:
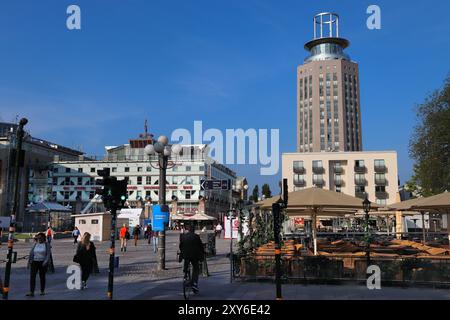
(73, 182)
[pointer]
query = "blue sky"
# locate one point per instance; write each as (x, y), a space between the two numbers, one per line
(231, 64)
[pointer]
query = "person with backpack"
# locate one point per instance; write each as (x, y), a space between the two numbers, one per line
(38, 261)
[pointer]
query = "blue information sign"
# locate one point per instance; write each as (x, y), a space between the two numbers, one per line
(160, 217)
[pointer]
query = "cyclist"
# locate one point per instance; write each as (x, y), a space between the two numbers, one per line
(191, 250)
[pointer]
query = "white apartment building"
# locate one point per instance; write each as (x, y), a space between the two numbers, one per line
(352, 173)
(74, 181)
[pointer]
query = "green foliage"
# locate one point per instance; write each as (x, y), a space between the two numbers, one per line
(430, 144)
(255, 194)
(266, 191)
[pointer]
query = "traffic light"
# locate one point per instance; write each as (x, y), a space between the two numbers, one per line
(107, 182)
(120, 192)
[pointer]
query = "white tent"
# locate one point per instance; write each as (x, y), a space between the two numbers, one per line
(134, 216)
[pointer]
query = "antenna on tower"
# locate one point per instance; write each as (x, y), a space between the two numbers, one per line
(145, 127)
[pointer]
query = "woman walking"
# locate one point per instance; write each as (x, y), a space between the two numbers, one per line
(86, 257)
(124, 236)
(136, 234)
(38, 261)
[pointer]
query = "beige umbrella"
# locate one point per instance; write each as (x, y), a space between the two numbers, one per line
(439, 202)
(422, 205)
(317, 201)
(201, 217)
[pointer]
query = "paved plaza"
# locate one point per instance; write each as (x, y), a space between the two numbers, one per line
(137, 278)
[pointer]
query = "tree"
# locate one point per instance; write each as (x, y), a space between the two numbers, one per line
(430, 144)
(266, 191)
(255, 194)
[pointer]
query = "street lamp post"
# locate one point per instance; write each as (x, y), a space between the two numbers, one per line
(163, 150)
(12, 226)
(231, 215)
(366, 207)
(241, 188)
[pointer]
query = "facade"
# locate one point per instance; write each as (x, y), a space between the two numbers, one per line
(328, 100)
(353, 173)
(34, 174)
(97, 224)
(73, 182)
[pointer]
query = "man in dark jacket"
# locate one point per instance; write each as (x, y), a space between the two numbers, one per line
(191, 250)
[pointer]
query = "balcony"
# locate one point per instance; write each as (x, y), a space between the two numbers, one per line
(380, 168)
(299, 170)
(361, 195)
(380, 181)
(338, 169)
(318, 182)
(360, 182)
(381, 194)
(339, 182)
(299, 182)
(360, 169)
(318, 170)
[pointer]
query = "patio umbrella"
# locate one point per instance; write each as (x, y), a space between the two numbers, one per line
(320, 202)
(439, 202)
(201, 217)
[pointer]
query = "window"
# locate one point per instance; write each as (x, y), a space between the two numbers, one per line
(67, 170)
(114, 169)
(188, 194)
(55, 181)
(67, 181)
(94, 221)
(381, 202)
(139, 169)
(127, 169)
(148, 180)
(380, 188)
(175, 180)
(92, 170)
(359, 163)
(188, 168)
(55, 170)
(138, 194)
(79, 181)
(149, 169)
(317, 164)
(80, 170)
(298, 164)
(91, 194)
(82, 221)
(379, 163)
(201, 168)
(139, 180)
(360, 189)
(148, 194)
(79, 195)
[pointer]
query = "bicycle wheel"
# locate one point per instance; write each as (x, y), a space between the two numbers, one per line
(187, 286)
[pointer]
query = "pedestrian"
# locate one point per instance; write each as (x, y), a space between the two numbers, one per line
(218, 230)
(149, 233)
(75, 234)
(49, 235)
(123, 238)
(136, 234)
(155, 239)
(86, 257)
(38, 261)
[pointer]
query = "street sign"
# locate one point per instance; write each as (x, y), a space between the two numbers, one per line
(215, 184)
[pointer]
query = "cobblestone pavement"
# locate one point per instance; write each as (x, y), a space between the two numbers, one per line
(137, 278)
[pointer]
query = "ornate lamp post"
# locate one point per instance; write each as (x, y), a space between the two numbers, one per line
(163, 150)
(366, 207)
(241, 188)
